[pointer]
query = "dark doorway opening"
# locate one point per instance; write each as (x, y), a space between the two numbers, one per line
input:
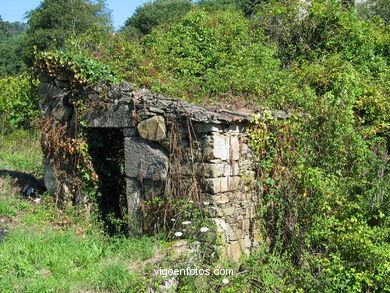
(106, 147)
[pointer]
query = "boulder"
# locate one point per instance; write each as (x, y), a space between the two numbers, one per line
(153, 129)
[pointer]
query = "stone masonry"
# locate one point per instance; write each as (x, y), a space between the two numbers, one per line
(214, 147)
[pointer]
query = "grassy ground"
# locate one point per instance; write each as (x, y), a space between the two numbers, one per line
(43, 249)
(21, 151)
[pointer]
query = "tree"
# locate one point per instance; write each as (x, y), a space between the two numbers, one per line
(154, 13)
(54, 21)
(10, 29)
(247, 6)
(11, 34)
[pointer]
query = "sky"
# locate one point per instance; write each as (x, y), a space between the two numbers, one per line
(14, 10)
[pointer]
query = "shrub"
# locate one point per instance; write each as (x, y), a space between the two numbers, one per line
(18, 102)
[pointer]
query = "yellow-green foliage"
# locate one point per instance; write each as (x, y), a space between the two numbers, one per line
(80, 68)
(18, 102)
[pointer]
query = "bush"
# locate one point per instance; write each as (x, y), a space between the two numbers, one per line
(18, 102)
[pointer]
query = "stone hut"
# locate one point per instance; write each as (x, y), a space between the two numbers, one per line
(168, 148)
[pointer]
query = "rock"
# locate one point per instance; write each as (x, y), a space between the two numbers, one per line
(233, 251)
(45, 109)
(62, 84)
(221, 225)
(145, 160)
(129, 131)
(49, 178)
(214, 170)
(47, 90)
(213, 185)
(114, 116)
(153, 129)
(208, 128)
(233, 182)
(221, 199)
(60, 111)
(126, 86)
(134, 210)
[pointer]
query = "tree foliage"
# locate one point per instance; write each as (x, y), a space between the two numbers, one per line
(55, 21)
(11, 35)
(151, 14)
(246, 6)
(10, 29)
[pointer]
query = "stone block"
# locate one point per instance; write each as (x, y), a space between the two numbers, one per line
(151, 189)
(235, 129)
(227, 170)
(224, 184)
(114, 116)
(234, 148)
(145, 160)
(231, 169)
(220, 147)
(214, 170)
(208, 128)
(217, 147)
(234, 169)
(233, 182)
(134, 205)
(153, 129)
(213, 185)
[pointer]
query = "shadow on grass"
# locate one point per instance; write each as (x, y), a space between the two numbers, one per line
(24, 180)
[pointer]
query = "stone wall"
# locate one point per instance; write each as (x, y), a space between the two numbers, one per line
(171, 147)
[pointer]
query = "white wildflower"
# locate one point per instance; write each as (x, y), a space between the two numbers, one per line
(225, 281)
(186, 222)
(204, 229)
(178, 234)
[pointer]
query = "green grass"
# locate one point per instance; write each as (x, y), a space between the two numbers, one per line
(49, 250)
(21, 151)
(52, 250)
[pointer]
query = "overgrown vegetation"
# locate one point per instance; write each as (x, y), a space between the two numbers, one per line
(324, 175)
(18, 102)
(46, 249)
